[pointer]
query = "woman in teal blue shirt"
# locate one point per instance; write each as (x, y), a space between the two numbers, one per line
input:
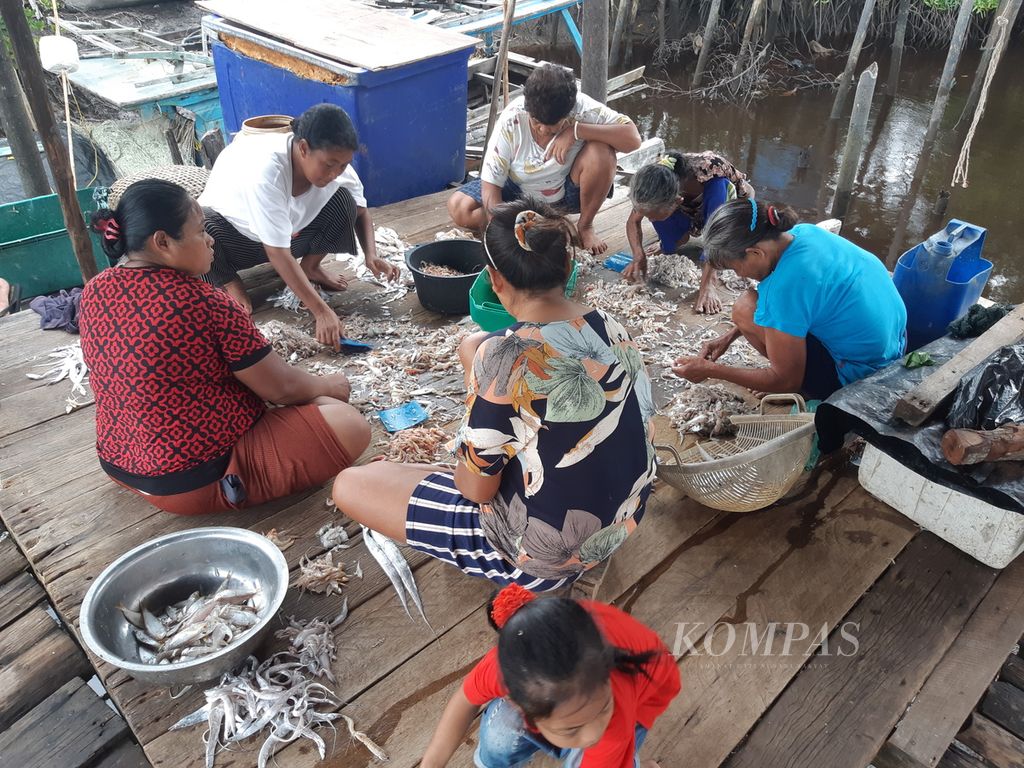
(825, 312)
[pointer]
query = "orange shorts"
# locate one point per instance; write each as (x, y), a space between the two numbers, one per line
(290, 449)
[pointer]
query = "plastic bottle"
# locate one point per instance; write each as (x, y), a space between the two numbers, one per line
(938, 257)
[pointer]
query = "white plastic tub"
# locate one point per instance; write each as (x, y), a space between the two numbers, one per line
(989, 534)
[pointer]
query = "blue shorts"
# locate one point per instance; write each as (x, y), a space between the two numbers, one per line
(672, 230)
(570, 202)
(443, 523)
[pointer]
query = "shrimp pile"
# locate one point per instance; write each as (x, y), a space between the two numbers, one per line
(419, 445)
(279, 695)
(289, 342)
(194, 627)
(321, 575)
(439, 270)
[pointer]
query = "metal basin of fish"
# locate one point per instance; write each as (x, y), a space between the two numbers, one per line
(168, 569)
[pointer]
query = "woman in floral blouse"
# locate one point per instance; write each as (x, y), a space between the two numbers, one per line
(555, 459)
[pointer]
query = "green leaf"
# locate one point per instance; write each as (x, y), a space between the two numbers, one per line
(917, 360)
(572, 395)
(600, 546)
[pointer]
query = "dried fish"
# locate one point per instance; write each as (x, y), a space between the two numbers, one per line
(390, 559)
(194, 627)
(673, 271)
(286, 299)
(68, 363)
(332, 535)
(454, 234)
(439, 270)
(312, 641)
(280, 538)
(419, 445)
(279, 696)
(289, 342)
(704, 409)
(321, 575)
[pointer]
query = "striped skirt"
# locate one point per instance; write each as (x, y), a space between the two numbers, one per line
(331, 231)
(443, 523)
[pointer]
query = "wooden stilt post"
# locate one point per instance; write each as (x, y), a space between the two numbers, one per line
(17, 126)
(775, 10)
(630, 26)
(499, 67)
(1008, 9)
(846, 79)
(956, 47)
(749, 40)
(27, 60)
(708, 42)
(854, 141)
(661, 25)
(899, 37)
(621, 16)
(595, 49)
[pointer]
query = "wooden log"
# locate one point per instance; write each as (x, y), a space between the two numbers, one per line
(707, 43)
(71, 728)
(594, 75)
(749, 38)
(1008, 9)
(973, 446)
(27, 60)
(1004, 704)
(846, 79)
(17, 127)
(854, 141)
(1000, 747)
(898, 39)
(956, 47)
(212, 145)
(922, 401)
(965, 672)
(499, 67)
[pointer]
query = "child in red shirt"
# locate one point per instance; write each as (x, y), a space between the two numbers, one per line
(581, 681)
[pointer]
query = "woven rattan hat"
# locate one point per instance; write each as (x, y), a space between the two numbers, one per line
(192, 177)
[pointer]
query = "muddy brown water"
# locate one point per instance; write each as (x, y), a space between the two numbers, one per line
(772, 139)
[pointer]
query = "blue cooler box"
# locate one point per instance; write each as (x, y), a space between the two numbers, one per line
(411, 119)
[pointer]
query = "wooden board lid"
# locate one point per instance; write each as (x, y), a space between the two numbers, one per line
(343, 31)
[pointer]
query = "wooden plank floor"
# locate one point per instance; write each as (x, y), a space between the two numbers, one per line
(804, 632)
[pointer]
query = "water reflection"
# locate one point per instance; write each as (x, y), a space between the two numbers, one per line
(778, 136)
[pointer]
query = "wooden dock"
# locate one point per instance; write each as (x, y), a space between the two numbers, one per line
(814, 633)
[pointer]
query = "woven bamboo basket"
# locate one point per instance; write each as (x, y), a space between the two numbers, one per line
(751, 472)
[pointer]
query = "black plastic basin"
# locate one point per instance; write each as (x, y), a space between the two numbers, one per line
(447, 295)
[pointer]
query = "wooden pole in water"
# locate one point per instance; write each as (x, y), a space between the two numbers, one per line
(595, 49)
(748, 35)
(854, 140)
(27, 61)
(1008, 9)
(898, 39)
(17, 126)
(621, 15)
(630, 37)
(775, 10)
(846, 79)
(708, 42)
(661, 25)
(500, 65)
(956, 47)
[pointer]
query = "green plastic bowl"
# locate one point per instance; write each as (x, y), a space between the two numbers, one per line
(488, 312)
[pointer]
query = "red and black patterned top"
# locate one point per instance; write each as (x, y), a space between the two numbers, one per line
(162, 347)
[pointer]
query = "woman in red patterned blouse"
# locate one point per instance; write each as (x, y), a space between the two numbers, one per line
(182, 376)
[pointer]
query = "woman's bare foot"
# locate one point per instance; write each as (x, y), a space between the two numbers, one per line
(319, 276)
(591, 242)
(237, 291)
(708, 300)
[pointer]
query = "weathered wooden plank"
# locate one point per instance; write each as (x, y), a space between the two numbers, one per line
(893, 757)
(1013, 671)
(12, 562)
(376, 639)
(70, 728)
(127, 754)
(753, 614)
(1004, 704)
(958, 758)
(923, 400)
(17, 597)
(906, 623)
(1000, 747)
(36, 658)
(961, 678)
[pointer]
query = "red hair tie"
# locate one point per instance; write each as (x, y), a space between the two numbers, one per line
(773, 217)
(111, 229)
(507, 602)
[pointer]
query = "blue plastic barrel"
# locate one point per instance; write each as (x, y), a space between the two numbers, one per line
(411, 119)
(934, 300)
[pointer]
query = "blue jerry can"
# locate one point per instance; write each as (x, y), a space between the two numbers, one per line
(936, 291)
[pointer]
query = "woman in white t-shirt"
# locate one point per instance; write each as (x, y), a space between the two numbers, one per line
(286, 197)
(554, 144)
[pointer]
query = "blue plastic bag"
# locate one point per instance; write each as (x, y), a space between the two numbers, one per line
(618, 261)
(345, 344)
(403, 417)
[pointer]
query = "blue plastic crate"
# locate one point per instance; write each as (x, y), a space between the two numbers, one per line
(411, 119)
